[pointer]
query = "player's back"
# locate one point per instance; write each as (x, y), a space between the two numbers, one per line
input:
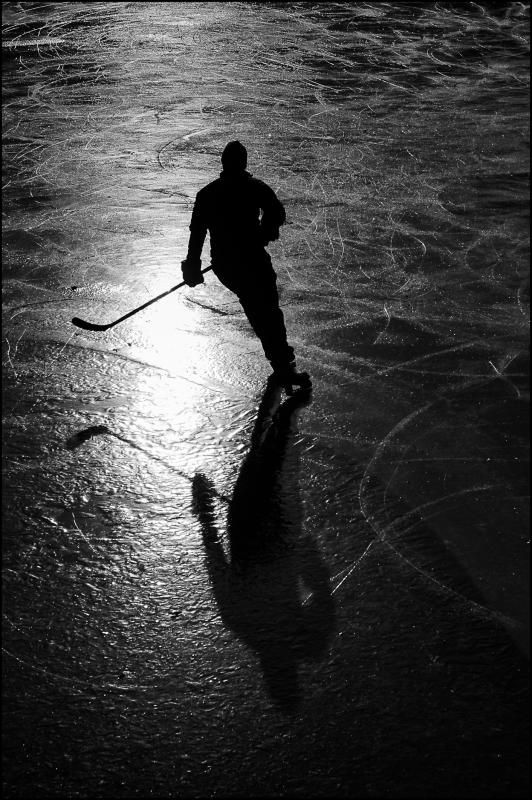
(230, 208)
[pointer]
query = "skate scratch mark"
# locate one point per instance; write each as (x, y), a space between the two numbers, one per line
(520, 304)
(382, 532)
(341, 242)
(443, 499)
(434, 459)
(402, 462)
(389, 319)
(504, 377)
(8, 356)
(327, 233)
(353, 566)
(399, 463)
(417, 360)
(21, 309)
(363, 272)
(83, 535)
(160, 152)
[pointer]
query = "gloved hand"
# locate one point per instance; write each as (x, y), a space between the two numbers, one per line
(192, 272)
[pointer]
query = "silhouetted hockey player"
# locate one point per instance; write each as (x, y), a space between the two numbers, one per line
(242, 215)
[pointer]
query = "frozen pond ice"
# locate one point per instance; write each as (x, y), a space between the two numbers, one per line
(382, 609)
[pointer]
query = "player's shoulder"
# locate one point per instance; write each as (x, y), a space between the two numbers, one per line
(220, 186)
(210, 188)
(256, 181)
(259, 185)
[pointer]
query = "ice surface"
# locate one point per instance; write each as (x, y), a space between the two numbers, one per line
(373, 640)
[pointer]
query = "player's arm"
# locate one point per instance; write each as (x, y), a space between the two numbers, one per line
(191, 266)
(273, 214)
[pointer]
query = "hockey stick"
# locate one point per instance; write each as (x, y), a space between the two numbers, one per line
(92, 326)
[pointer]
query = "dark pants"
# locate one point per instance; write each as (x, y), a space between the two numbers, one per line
(256, 289)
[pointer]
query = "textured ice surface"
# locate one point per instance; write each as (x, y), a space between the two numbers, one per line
(371, 638)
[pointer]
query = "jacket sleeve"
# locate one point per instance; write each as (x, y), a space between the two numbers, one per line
(273, 214)
(198, 230)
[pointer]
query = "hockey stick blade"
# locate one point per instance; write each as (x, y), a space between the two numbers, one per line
(88, 326)
(91, 326)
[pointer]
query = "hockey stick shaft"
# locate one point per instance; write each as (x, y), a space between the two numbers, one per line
(91, 326)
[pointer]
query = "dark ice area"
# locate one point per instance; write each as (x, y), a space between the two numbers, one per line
(210, 589)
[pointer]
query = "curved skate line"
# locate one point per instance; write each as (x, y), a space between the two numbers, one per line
(400, 463)
(424, 357)
(382, 532)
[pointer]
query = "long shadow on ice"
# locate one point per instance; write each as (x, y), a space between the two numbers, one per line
(272, 588)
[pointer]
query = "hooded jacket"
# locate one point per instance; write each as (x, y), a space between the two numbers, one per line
(241, 213)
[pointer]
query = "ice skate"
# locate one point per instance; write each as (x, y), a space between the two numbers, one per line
(287, 377)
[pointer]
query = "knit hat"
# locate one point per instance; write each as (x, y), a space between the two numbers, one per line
(234, 156)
